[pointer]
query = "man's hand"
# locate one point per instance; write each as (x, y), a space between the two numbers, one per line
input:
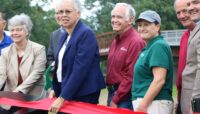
(112, 104)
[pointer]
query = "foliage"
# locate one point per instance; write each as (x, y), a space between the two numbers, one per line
(44, 22)
(100, 22)
(164, 8)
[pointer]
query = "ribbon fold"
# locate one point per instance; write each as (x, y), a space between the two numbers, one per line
(71, 107)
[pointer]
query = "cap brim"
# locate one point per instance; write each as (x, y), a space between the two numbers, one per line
(146, 19)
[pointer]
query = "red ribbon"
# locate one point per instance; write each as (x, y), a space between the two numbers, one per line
(69, 107)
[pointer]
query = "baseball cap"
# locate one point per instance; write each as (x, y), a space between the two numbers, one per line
(150, 16)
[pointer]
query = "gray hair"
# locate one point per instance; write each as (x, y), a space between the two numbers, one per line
(77, 4)
(21, 19)
(130, 12)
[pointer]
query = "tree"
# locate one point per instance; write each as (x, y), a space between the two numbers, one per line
(100, 22)
(43, 21)
(164, 8)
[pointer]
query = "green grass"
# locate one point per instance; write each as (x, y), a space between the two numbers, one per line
(174, 91)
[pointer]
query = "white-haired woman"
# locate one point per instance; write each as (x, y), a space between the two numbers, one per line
(22, 64)
(77, 75)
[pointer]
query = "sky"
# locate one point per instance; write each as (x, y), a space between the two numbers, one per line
(46, 7)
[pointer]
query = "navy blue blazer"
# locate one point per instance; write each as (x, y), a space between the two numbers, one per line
(81, 74)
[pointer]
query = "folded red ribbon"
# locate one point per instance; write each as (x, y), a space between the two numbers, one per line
(70, 107)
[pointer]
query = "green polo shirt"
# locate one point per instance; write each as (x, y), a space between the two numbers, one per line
(157, 53)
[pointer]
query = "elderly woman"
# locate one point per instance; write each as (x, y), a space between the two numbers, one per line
(77, 75)
(153, 71)
(22, 64)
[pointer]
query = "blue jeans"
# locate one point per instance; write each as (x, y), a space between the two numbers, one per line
(127, 103)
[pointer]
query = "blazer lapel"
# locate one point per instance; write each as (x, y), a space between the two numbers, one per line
(27, 55)
(61, 42)
(193, 33)
(14, 60)
(71, 40)
(68, 45)
(27, 52)
(73, 36)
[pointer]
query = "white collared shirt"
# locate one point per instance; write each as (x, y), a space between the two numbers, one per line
(60, 58)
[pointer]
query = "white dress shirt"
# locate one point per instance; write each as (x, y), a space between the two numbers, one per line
(60, 58)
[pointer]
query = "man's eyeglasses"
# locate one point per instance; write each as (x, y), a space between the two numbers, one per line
(61, 12)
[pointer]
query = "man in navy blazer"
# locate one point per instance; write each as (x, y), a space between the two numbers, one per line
(54, 38)
(77, 71)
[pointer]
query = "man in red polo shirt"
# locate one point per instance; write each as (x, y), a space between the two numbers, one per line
(122, 56)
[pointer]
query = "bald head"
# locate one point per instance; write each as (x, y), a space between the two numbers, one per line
(182, 14)
(57, 14)
(2, 23)
(182, 3)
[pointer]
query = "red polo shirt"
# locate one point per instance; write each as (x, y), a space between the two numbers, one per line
(122, 56)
